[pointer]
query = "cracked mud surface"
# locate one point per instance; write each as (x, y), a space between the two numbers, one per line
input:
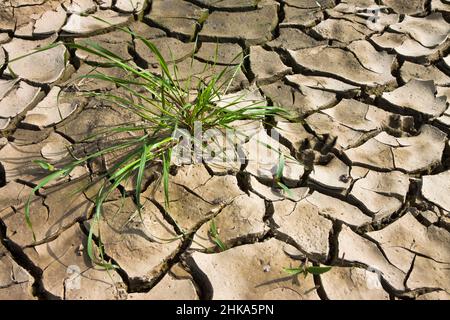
(371, 196)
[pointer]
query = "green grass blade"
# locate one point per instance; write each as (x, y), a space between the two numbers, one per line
(318, 270)
(140, 175)
(293, 271)
(280, 168)
(166, 168)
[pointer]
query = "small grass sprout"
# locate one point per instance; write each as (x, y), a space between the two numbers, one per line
(305, 269)
(214, 234)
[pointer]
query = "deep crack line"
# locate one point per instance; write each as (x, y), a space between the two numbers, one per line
(25, 262)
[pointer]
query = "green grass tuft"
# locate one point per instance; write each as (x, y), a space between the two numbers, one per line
(165, 105)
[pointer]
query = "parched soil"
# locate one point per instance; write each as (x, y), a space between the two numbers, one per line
(369, 81)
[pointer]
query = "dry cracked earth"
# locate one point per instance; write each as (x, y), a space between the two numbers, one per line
(370, 82)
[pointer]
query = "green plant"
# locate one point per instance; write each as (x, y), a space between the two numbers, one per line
(214, 233)
(279, 175)
(304, 269)
(165, 105)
